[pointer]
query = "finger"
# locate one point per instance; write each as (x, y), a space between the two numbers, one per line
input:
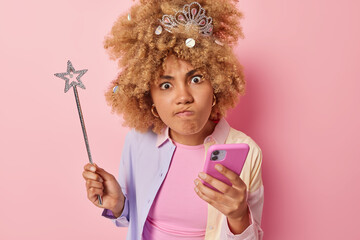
(211, 195)
(232, 176)
(94, 184)
(92, 176)
(90, 167)
(219, 185)
(104, 174)
(218, 205)
(93, 193)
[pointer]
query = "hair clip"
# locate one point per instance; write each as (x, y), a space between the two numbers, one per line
(190, 43)
(115, 89)
(219, 43)
(158, 30)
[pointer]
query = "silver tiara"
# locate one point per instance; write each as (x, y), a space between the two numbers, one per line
(192, 14)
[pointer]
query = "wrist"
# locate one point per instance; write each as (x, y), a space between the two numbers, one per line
(119, 207)
(239, 225)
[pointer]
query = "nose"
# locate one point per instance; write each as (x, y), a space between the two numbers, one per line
(184, 96)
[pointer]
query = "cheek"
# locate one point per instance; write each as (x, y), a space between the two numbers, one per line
(156, 97)
(163, 109)
(207, 99)
(162, 104)
(208, 105)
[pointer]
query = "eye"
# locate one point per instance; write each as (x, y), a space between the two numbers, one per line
(165, 85)
(196, 79)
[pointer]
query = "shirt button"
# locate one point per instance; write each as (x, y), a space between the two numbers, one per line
(211, 227)
(161, 174)
(149, 201)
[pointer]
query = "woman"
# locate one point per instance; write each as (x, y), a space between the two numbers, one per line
(178, 79)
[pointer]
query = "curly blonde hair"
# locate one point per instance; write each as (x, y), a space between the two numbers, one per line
(141, 54)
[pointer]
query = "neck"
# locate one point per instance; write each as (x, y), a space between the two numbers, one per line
(196, 138)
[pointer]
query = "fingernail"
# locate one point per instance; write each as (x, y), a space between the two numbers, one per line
(101, 180)
(196, 182)
(196, 189)
(93, 169)
(202, 175)
(218, 167)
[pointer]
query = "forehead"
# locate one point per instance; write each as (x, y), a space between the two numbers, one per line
(173, 65)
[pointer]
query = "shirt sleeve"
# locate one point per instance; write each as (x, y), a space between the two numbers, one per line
(255, 200)
(123, 220)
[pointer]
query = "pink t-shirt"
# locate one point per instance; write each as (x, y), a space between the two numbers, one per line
(177, 211)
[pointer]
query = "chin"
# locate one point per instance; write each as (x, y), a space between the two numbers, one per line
(188, 128)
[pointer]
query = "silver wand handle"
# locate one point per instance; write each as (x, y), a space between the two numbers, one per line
(84, 132)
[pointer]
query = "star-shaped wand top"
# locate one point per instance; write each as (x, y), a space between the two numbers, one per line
(70, 73)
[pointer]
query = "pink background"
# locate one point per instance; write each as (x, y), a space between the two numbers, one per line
(301, 61)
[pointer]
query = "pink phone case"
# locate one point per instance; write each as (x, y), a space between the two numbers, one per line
(234, 156)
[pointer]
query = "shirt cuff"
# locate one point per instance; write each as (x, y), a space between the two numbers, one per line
(123, 219)
(250, 233)
(108, 214)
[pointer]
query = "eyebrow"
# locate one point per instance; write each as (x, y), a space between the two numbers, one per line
(167, 77)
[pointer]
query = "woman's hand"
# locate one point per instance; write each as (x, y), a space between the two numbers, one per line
(100, 182)
(231, 200)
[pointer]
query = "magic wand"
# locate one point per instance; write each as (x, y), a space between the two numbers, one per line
(68, 76)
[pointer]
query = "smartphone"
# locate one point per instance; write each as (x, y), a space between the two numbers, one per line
(232, 156)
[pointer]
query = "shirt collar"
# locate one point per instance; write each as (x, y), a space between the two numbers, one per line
(163, 137)
(219, 135)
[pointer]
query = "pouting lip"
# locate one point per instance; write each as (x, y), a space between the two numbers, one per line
(183, 111)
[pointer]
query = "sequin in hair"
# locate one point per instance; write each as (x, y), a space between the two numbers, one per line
(140, 54)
